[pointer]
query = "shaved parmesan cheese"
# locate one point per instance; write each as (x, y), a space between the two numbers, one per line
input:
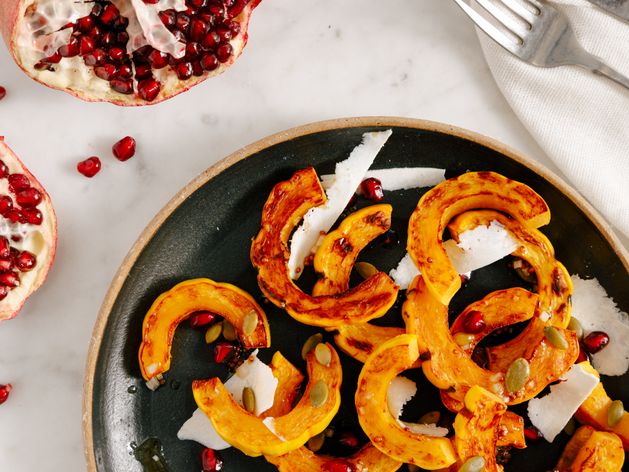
(425, 429)
(400, 391)
(477, 248)
(552, 412)
(399, 178)
(597, 312)
(348, 175)
(253, 373)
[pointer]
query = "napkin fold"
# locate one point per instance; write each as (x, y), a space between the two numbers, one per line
(579, 119)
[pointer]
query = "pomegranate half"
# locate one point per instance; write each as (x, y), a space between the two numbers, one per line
(28, 233)
(127, 52)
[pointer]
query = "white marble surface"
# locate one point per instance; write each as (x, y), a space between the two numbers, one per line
(306, 61)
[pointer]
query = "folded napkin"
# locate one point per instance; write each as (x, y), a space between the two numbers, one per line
(581, 120)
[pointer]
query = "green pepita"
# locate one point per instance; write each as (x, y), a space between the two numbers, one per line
(323, 354)
(229, 332)
(316, 442)
(365, 269)
(575, 325)
(517, 375)
(250, 323)
(571, 427)
(319, 394)
(213, 332)
(310, 344)
(473, 464)
(249, 399)
(555, 337)
(615, 413)
(463, 339)
(432, 417)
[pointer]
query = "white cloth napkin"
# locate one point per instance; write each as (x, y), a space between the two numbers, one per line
(580, 120)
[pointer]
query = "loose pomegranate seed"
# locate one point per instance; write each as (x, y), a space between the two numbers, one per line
(124, 149)
(371, 189)
(6, 203)
(224, 52)
(122, 86)
(10, 279)
(33, 216)
(4, 170)
(223, 351)
(473, 322)
(200, 319)
(339, 465)
(29, 197)
(149, 89)
(5, 248)
(3, 92)
(209, 62)
(18, 182)
(583, 356)
(26, 261)
(532, 433)
(211, 460)
(5, 390)
(6, 265)
(595, 341)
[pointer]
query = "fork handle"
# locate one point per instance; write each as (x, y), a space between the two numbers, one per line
(613, 74)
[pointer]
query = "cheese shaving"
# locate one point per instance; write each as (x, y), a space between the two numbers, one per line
(399, 178)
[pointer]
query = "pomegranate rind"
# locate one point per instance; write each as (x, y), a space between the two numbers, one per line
(12, 11)
(12, 304)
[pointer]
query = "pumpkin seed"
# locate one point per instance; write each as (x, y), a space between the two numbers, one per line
(365, 269)
(615, 413)
(250, 323)
(229, 332)
(571, 427)
(316, 442)
(432, 417)
(575, 326)
(323, 354)
(473, 464)
(555, 337)
(517, 375)
(249, 399)
(213, 332)
(463, 339)
(310, 344)
(329, 432)
(319, 394)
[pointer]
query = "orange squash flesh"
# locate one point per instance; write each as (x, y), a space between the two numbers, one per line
(511, 431)
(450, 367)
(360, 340)
(288, 202)
(289, 379)
(185, 298)
(452, 197)
(384, 431)
(476, 427)
(592, 451)
(248, 433)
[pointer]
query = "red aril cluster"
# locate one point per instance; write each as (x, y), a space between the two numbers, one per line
(5, 390)
(211, 460)
(371, 188)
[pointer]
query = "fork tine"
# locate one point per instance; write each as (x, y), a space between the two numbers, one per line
(527, 9)
(489, 29)
(515, 24)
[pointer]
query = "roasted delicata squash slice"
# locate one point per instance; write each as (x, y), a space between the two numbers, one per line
(360, 340)
(185, 298)
(367, 459)
(386, 432)
(592, 451)
(289, 379)
(452, 197)
(288, 202)
(278, 435)
(511, 431)
(449, 366)
(594, 411)
(476, 428)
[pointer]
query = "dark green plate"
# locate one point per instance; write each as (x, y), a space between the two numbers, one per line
(206, 231)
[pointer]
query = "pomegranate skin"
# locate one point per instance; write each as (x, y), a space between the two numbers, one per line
(13, 302)
(12, 11)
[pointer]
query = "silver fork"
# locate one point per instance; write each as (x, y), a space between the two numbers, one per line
(537, 33)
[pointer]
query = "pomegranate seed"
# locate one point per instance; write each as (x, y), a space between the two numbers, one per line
(85, 24)
(339, 465)
(473, 322)
(124, 149)
(95, 32)
(121, 23)
(211, 460)
(595, 341)
(224, 52)
(583, 356)
(234, 27)
(200, 319)
(89, 167)
(197, 69)
(198, 29)
(193, 50)
(18, 182)
(183, 22)
(10, 279)
(224, 33)
(532, 433)
(158, 59)
(6, 203)
(14, 216)
(5, 248)
(116, 54)
(123, 38)
(26, 261)
(168, 18)
(148, 89)
(71, 49)
(107, 39)
(97, 57)
(3, 92)
(222, 351)
(97, 9)
(106, 71)
(5, 390)
(54, 59)
(122, 86)
(86, 45)
(217, 9)
(4, 291)
(6, 265)
(143, 71)
(348, 440)
(4, 170)
(371, 189)
(29, 197)
(209, 62)
(125, 71)
(109, 15)
(237, 8)
(464, 278)
(152, 2)
(184, 70)
(33, 216)
(198, 3)
(211, 40)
